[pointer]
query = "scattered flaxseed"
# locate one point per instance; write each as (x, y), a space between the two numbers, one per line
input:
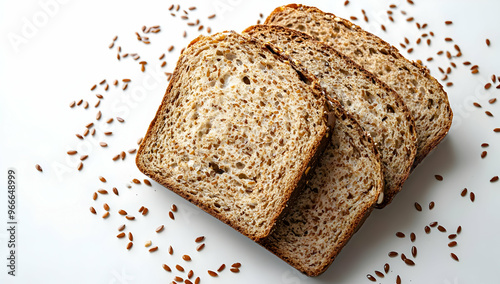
(452, 244)
(94, 196)
(147, 244)
(483, 154)
(173, 208)
(433, 224)
(106, 215)
(496, 130)
(93, 210)
(93, 87)
(115, 190)
(79, 102)
(102, 179)
(464, 192)
(121, 228)
(178, 279)
(454, 256)
(398, 280)
(418, 207)
(145, 211)
(414, 251)
(129, 245)
(494, 179)
(170, 250)
(103, 144)
(98, 115)
(105, 206)
(147, 182)
(234, 269)
(72, 104)
(199, 239)
(371, 278)
(130, 236)
(379, 274)
(38, 168)
(441, 229)
(393, 254)
(427, 229)
(120, 235)
(488, 42)
(438, 177)
(132, 151)
(212, 273)
(180, 268)
(72, 152)
(491, 101)
(159, 229)
(431, 205)
(153, 249)
(222, 267)
(211, 16)
(171, 215)
(413, 237)
(80, 166)
(166, 267)
(236, 265)
(386, 268)
(448, 22)
(400, 235)
(200, 247)
(130, 217)
(488, 113)
(452, 236)
(190, 274)
(409, 262)
(136, 181)
(122, 212)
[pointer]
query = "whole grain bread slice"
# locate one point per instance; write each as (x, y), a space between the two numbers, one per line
(238, 130)
(376, 107)
(338, 198)
(422, 94)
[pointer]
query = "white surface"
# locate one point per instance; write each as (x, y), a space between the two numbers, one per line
(62, 50)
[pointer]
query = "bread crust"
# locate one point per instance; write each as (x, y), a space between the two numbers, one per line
(396, 185)
(269, 243)
(394, 52)
(311, 158)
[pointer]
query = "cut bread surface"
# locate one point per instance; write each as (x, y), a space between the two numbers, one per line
(377, 108)
(338, 198)
(237, 130)
(422, 94)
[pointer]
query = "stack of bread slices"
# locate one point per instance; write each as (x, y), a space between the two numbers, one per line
(293, 131)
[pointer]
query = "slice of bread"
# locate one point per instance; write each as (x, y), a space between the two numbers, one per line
(338, 198)
(422, 94)
(376, 107)
(238, 130)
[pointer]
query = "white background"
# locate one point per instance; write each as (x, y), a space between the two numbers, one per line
(52, 52)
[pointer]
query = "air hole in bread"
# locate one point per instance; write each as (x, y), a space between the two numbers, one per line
(358, 52)
(219, 52)
(230, 56)
(240, 165)
(301, 28)
(390, 109)
(215, 168)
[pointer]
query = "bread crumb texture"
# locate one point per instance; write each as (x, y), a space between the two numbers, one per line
(235, 131)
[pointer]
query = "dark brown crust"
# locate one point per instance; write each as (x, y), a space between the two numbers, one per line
(430, 145)
(312, 159)
(389, 193)
(340, 114)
